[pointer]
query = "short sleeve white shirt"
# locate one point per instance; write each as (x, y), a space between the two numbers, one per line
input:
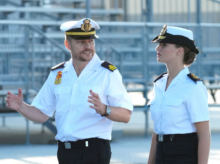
(175, 110)
(74, 118)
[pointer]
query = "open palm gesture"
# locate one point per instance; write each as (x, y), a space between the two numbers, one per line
(14, 101)
(97, 104)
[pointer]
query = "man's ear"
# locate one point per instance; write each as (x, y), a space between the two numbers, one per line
(67, 44)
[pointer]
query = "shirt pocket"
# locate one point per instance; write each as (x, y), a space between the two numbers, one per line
(174, 102)
(175, 109)
(63, 95)
(62, 91)
(84, 97)
(84, 89)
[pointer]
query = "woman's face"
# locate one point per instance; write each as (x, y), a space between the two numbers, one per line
(166, 53)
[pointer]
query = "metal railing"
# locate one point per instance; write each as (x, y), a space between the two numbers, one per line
(127, 45)
(27, 56)
(44, 53)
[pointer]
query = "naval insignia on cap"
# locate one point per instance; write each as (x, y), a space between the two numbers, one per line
(194, 77)
(86, 26)
(109, 66)
(163, 31)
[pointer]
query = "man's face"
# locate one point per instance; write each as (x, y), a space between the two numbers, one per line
(82, 50)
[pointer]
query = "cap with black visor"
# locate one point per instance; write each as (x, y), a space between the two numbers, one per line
(176, 35)
(81, 30)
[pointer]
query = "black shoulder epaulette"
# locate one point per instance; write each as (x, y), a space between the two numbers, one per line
(61, 65)
(159, 77)
(109, 66)
(194, 77)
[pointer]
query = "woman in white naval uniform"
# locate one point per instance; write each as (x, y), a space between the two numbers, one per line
(179, 107)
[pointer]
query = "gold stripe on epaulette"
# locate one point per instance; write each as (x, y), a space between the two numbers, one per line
(194, 76)
(112, 67)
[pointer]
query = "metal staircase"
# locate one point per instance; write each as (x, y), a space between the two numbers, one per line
(28, 49)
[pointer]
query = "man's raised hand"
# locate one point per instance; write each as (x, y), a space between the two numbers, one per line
(14, 101)
(97, 104)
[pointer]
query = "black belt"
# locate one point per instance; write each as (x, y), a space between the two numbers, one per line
(82, 143)
(171, 137)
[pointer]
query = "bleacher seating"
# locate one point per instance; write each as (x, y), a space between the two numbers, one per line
(37, 40)
(10, 9)
(55, 10)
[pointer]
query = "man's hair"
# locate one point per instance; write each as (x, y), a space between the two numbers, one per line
(67, 37)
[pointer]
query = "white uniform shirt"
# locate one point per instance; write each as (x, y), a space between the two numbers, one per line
(175, 110)
(74, 118)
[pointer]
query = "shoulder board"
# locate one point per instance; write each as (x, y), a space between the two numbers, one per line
(194, 77)
(159, 77)
(61, 65)
(109, 66)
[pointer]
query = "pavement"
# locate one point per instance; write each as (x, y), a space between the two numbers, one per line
(132, 148)
(126, 150)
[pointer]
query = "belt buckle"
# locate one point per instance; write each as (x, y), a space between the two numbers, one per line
(67, 145)
(160, 138)
(87, 143)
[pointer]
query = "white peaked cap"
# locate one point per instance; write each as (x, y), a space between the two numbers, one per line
(176, 35)
(180, 31)
(77, 24)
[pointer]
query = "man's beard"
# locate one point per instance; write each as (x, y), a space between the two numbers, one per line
(81, 58)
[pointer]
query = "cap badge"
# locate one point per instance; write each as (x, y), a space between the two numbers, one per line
(164, 29)
(86, 26)
(58, 78)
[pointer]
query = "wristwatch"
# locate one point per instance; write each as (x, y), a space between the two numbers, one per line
(107, 111)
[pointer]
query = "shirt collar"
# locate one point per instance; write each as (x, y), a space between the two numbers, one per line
(94, 64)
(182, 75)
(67, 65)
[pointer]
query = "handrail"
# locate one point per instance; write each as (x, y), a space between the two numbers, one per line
(113, 48)
(59, 10)
(53, 0)
(128, 24)
(49, 39)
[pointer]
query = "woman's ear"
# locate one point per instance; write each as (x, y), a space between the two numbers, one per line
(67, 44)
(180, 51)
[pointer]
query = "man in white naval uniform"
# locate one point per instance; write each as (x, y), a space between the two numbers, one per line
(87, 95)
